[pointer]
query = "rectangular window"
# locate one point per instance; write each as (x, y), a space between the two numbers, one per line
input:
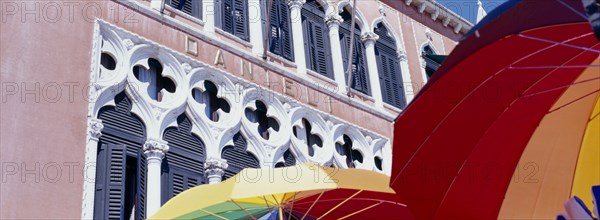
(232, 17)
(190, 7)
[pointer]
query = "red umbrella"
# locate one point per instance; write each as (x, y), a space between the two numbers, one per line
(457, 144)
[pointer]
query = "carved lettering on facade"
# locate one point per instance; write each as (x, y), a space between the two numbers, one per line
(247, 69)
(289, 88)
(220, 60)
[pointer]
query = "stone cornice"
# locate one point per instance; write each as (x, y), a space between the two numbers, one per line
(437, 12)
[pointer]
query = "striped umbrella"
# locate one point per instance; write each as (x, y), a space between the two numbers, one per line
(304, 191)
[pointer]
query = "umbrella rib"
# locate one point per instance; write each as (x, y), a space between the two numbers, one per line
(572, 9)
(312, 205)
(490, 126)
(292, 206)
(341, 203)
(561, 43)
(213, 214)
(243, 209)
(362, 210)
(562, 87)
(571, 102)
(552, 67)
(363, 199)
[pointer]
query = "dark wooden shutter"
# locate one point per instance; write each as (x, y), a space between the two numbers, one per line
(360, 78)
(233, 17)
(179, 180)
(316, 39)
(388, 65)
(121, 140)
(140, 205)
(280, 40)
(240, 19)
(190, 7)
(285, 34)
(237, 157)
(361, 82)
(110, 182)
(183, 166)
(274, 39)
(289, 158)
(227, 16)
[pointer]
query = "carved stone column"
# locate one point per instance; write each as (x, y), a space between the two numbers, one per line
(333, 22)
(155, 151)
(94, 131)
(214, 169)
(255, 26)
(409, 90)
(297, 34)
(369, 39)
(208, 15)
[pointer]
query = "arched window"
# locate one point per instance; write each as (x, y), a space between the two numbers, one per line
(153, 76)
(316, 38)
(345, 149)
(190, 7)
(232, 17)
(432, 61)
(238, 157)
(183, 166)
(306, 135)
(280, 36)
(360, 80)
(388, 65)
(121, 164)
(211, 101)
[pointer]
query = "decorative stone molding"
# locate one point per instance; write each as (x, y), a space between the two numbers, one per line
(95, 127)
(128, 44)
(446, 21)
(186, 67)
(296, 4)
(381, 10)
(214, 169)
(333, 19)
(438, 11)
(369, 37)
(155, 149)
(402, 55)
(239, 93)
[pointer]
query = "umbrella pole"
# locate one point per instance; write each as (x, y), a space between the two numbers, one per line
(280, 213)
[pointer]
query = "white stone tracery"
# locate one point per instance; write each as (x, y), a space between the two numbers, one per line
(187, 74)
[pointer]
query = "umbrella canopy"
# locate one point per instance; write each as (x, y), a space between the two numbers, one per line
(457, 145)
(299, 192)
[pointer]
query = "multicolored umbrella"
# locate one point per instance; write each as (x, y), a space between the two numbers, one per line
(458, 144)
(299, 192)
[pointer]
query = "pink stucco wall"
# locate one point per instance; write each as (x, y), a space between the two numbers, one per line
(44, 73)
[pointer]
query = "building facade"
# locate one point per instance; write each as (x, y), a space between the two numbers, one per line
(111, 108)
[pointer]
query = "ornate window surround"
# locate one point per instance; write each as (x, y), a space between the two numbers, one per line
(130, 49)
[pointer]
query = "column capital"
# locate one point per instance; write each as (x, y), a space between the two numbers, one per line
(95, 127)
(333, 19)
(369, 37)
(402, 55)
(214, 168)
(296, 4)
(155, 149)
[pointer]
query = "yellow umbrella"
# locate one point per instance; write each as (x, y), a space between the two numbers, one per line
(304, 191)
